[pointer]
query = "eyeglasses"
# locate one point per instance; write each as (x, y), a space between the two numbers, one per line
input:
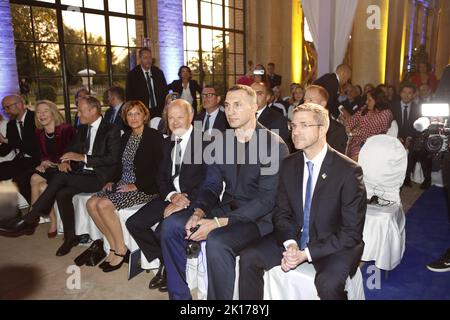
(9, 106)
(292, 126)
(208, 95)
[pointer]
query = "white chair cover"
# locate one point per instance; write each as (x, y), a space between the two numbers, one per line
(417, 174)
(154, 122)
(393, 130)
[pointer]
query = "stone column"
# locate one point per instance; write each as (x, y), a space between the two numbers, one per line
(443, 39)
(9, 82)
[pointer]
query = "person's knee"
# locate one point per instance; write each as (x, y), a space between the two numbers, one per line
(104, 204)
(36, 180)
(172, 226)
(249, 257)
(216, 244)
(91, 204)
(133, 223)
(330, 285)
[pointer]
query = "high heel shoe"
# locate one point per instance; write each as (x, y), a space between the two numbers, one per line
(53, 234)
(125, 257)
(105, 264)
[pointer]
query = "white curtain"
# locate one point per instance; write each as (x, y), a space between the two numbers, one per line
(343, 24)
(311, 11)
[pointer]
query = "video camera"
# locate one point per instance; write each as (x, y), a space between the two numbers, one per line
(434, 127)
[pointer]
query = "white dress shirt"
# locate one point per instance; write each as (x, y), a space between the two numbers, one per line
(317, 162)
(94, 129)
(186, 94)
(183, 144)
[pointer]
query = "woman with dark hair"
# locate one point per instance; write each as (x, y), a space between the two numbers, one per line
(392, 94)
(141, 153)
(186, 87)
(424, 76)
(373, 119)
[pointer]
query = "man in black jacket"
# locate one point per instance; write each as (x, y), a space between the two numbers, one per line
(212, 117)
(177, 188)
(116, 101)
(89, 163)
(20, 137)
(147, 83)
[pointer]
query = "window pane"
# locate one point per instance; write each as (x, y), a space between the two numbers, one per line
(98, 86)
(207, 44)
(75, 60)
(25, 59)
(192, 61)
(73, 27)
(119, 60)
(118, 30)
(229, 18)
(21, 20)
(97, 59)
(207, 59)
(239, 23)
(217, 40)
(191, 11)
(216, 1)
(206, 13)
(49, 1)
(230, 64)
(239, 64)
(134, 59)
(95, 28)
(117, 6)
(48, 59)
(94, 4)
(191, 38)
(74, 3)
(239, 42)
(135, 32)
(217, 16)
(135, 7)
(119, 81)
(52, 89)
(229, 42)
(45, 26)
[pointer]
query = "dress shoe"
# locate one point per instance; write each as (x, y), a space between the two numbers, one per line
(93, 254)
(125, 257)
(104, 264)
(16, 227)
(155, 283)
(163, 284)
(67, 246)
(51, 235)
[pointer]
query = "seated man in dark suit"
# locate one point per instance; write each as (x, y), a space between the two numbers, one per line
(21, 137)
(269, 118)
(273, 78)
(178, 186)
(212, 117)
(89, 163)
(248, 166)
(116, 101)
(147, 83)
(319, 213)
(336, 136)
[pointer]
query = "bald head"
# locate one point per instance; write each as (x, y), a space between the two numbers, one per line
(179, 116)
(344, 72)
(14, 106)
(316, 94)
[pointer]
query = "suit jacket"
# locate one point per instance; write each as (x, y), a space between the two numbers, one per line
(136, 88)
(272, 119)
(64, 134)
(414, 114)
(29, 142)
(220, 123)
(105, 158)
(274, 80)
(147, 159)
(338, 206)
(250, 188)
(194, 87)
(337, 136)
(118, 121)
(191, 174)
(330, 82)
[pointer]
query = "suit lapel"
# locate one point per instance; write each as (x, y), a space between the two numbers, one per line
(295, 186)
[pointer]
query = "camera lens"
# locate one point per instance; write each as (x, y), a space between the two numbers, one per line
(434, 143)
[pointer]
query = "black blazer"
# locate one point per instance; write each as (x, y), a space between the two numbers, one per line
(194, 87)
(250, 188)
(118, 121)
(274, 80)
(147, 159)
(272, 119)
(191, 174)
(414, 114)
(338, 206)
(105, 158)
(136, 88)
(29, 143)
(337, 136)
(330, 82)
(220, 123)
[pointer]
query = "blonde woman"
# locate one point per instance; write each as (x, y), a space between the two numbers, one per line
(296, 99)
(54, 136)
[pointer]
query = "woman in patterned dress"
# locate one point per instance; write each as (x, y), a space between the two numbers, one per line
(373, 119)
(136, 184)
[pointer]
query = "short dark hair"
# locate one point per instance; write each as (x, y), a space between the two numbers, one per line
(142, 50)
(408, 85)
(77, 94)
(181, 69)
(271, 64)
(117, 91)
(381, 99)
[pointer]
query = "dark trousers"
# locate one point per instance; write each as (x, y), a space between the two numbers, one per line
(139, 225)
(425, 161)
(20, 170)
(222, 247)
(331, 271)
(62, 188)
(446, 179)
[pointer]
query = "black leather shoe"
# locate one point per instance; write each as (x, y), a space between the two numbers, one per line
(17, 227)
(105, 264)
(155, 283)
(425, 185)
(163, 283)
(125, 257)
(94, 254)
(67, 246)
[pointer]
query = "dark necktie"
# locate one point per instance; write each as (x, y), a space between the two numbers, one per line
(306, 209)
(177, 157)
(150, 90)
(207, 123)
(21, 129)
(87, 142)
(405, 115)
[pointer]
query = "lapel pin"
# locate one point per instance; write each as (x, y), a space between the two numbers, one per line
(324, 176)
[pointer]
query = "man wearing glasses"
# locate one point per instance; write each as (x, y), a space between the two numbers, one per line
(21, 138)
(212, 117)
(318, 216)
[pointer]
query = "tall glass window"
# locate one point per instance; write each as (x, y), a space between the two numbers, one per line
(214, 40)
(65, 45)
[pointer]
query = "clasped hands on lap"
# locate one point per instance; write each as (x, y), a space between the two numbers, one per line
(292, 258)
